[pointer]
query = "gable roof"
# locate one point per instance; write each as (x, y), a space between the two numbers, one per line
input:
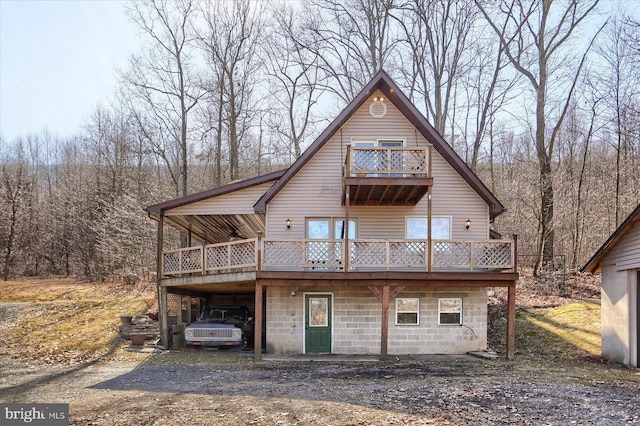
(381, 81)
(160, 208)
(594, 263)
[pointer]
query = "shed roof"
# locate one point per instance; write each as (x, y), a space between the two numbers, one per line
(594, 263)
(160, 208)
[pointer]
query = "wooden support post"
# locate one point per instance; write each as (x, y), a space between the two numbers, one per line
(346, 252)
(511, 321)
(259, 251)
(164, 325)
(429, 248)
(257, 329)
(162, 312)
(514, 253)
(384, 334)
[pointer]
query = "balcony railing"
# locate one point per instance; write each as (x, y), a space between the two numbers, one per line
(212, 258)
(329, 255)
(387, 162)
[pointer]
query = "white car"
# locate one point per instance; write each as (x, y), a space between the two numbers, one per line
(222, 326)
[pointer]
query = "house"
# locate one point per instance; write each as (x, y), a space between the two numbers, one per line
(618, 259)
(335, 254)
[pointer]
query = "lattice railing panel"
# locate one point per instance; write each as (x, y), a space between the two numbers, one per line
(240, 254)
(362, 161)
(323, 254)
(171, 263)
(217, 257)
(368, 253)
(451, 254)
(380, 161)
(192, 259)
(243, 254)
(173, 304)
(283, 253)
(410, 253)
(416, 162)
(492, 255)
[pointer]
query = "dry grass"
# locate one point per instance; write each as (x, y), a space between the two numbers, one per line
(567, 332)
(549, 325)
(67, 321)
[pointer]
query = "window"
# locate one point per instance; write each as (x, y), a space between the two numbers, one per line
(327, 254)
(417, 228)
(450, 311)
(319, 229)
(407, 311)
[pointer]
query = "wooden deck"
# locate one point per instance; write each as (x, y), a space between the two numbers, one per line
(311, 255)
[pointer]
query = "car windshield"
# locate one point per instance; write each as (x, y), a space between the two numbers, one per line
(222, 314)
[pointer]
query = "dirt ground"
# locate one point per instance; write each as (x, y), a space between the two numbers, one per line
(199, 387)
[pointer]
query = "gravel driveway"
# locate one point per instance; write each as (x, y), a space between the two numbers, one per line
(201, 387)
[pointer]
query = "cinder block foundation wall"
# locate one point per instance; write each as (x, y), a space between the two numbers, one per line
(357, 317)
(615, 315)
(430, 338)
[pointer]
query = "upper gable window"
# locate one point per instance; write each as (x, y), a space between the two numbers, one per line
(378, 108)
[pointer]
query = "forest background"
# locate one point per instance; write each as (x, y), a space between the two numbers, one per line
(540, 98)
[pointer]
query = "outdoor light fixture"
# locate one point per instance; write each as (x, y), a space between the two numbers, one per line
(467, 224)
(288, 223)
(378, 99)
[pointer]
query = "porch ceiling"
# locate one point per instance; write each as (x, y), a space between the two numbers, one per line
(386, 191)
(219, 228)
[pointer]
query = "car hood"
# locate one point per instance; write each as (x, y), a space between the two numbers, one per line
(213, 324)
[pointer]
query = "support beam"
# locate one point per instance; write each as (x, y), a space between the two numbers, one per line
(164, 326)
(257, 334)
(346, 252)
(384, 331)
(162, 312)
(511, 322)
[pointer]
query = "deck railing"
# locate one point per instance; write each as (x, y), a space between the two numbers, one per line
(211, 258)
(329, 255)
(387, 162)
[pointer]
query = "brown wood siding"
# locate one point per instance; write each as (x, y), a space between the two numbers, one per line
(317, 189)
(626, 254)
(238, 202)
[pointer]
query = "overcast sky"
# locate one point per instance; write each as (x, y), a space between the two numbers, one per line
(57, 61)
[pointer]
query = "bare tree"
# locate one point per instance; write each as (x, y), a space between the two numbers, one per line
(352, 40)
(161, 91)
(532, 37)
(438, 34)
(619, 90)
(13, 193)
(231, 41)
(295, 75)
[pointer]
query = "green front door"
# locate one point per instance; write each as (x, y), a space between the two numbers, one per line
(317, 323)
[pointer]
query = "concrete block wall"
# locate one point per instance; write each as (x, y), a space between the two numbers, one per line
(357, 317)
(285, 321)
(357, 322)
(430, 338)
(615, 315)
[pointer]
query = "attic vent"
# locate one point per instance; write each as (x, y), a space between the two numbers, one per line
(378, 108)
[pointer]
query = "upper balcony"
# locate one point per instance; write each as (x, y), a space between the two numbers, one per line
(329, 256)
(386, 176)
